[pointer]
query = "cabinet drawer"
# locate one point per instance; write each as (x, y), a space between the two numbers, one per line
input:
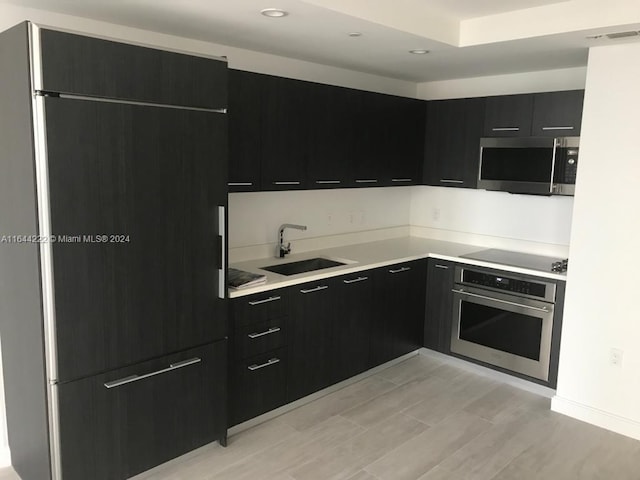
(118, 424)
(258, 384)
(94, 67)
(258, 338)
(259, 308)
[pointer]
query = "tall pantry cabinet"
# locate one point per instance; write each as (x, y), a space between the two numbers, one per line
(113, 195)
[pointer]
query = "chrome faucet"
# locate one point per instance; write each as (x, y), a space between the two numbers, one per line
(282, 250)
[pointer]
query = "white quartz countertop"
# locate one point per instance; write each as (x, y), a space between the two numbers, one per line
(365, 256)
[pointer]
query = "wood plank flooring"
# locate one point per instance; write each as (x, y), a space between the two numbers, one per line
(419, 420)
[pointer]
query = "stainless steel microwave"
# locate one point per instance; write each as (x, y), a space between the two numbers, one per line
(533, 165)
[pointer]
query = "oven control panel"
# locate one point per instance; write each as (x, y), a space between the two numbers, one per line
(505, 283)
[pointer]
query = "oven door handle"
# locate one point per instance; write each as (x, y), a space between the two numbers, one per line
(493, 299)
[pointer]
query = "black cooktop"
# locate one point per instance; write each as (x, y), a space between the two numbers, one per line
(522, 260)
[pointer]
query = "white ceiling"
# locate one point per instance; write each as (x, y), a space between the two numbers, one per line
(547, 35)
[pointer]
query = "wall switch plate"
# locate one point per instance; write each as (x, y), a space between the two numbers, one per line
(435, 214)
(615, 357)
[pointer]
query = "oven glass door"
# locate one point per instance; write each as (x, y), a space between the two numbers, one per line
(503, 330)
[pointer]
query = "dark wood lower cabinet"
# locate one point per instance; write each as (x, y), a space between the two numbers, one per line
(312, 311)
(258, 384)
(397, 325)
(437, 326)
(114, 425)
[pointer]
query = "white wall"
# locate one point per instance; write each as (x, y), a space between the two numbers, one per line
(601, 309)
(255, 217)
(541, 81)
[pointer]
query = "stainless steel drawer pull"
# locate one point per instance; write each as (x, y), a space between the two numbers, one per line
(557, 128)
(266, 300)
(402, 179)
(505, 129)
(286, 183)
(400, 270)
(271, 361)
(135, 378)
(493, 299)
(325, 182)
(449, 180)
(317, 289)
(240, 184)
(356, 280)
(367, 181)
(262, 334)
(444, 267)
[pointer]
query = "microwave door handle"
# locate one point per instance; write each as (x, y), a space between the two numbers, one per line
(553, 163)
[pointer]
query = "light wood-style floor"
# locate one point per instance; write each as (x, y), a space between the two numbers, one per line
(419, 420)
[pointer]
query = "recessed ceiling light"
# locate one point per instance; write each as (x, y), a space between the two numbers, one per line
(355, 34)
(274, 12)
(419, 51)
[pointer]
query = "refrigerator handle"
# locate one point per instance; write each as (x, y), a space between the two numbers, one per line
(222, 247)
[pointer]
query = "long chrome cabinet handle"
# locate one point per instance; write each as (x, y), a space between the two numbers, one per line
(356, 280)
(262, 334)
(367, 181)
(222, 232)
(271, 361)
(400, 270)
(402, 179)
(557, 128)
(135, 378)
(266, 300)
(240, 184)
(450, 180)
(317, 289)
(286, 183)
(505, 129)
(326, 182)
(515, 304)
(444, 267)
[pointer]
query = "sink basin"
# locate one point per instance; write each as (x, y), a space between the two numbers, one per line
(302, 266)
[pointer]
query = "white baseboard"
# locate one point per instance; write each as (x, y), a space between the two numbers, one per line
(600, 418)
(5, 457)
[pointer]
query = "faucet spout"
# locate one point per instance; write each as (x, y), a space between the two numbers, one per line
(283, 249)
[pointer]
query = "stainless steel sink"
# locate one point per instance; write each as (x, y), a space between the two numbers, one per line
(302, 266)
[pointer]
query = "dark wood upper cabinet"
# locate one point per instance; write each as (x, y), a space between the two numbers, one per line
(452, 143)
(138, 188)
(557, 114)
(508, 116)
(286, 133)
(86, 66)
(246, 117)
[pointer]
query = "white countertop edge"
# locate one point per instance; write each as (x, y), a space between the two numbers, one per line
(276, 281)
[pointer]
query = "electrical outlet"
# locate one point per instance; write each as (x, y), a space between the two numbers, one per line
(615, 357)
(435, 214)
(329, 219)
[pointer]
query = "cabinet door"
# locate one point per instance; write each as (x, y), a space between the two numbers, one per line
(246, 106)
(312, 311)
(557, 114)
(404, 151)
(437, 325)
(286, 134)
(114, 430)
(452, 144)
(93, 67)
(397, 325)
(351, 325)
(134, 195)
(369, 164)
(508, 116)
(257, 384)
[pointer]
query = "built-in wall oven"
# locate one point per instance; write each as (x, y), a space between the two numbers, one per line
(503, 320)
